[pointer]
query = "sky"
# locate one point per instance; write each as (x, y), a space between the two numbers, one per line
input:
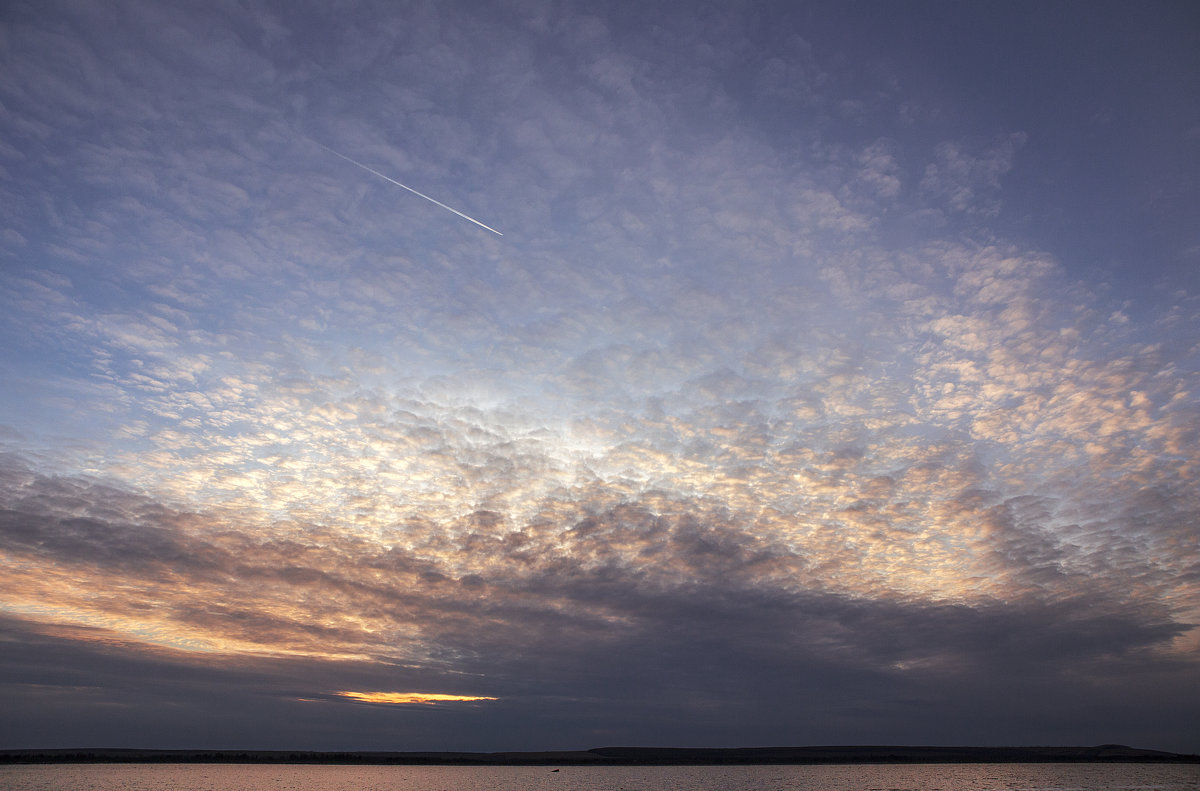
(780, 374)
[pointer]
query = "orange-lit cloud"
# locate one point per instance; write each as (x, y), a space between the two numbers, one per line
(400, 698)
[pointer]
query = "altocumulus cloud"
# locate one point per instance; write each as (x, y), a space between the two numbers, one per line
(761, 424)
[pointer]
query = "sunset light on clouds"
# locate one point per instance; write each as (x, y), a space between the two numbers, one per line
(834, 380)
(400, 698)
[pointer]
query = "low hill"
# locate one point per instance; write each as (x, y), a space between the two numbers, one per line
(622, 756)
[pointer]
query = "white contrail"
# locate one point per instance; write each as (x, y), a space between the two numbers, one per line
(410, 189)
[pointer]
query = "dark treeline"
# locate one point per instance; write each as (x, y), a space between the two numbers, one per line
(620, 756)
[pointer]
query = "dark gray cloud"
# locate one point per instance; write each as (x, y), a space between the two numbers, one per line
(624, 621)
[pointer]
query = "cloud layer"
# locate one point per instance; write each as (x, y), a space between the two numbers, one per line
(762, 423)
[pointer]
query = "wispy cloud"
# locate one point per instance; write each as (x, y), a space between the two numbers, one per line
(403, 698)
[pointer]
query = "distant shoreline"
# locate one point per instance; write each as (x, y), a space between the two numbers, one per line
(617, 756)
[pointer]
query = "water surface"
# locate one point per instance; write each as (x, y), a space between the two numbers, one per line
(888, 777)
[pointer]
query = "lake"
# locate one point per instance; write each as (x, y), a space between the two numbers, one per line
(889, 777)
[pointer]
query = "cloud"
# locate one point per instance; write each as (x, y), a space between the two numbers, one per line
(403, 698)
(963, 180)
(599, 558)
(751, 412)
(879, 170)
(638, 610)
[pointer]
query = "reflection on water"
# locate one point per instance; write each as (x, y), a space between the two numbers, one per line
(921, 777)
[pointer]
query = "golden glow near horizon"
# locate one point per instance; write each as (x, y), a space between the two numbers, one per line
(402, 698)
